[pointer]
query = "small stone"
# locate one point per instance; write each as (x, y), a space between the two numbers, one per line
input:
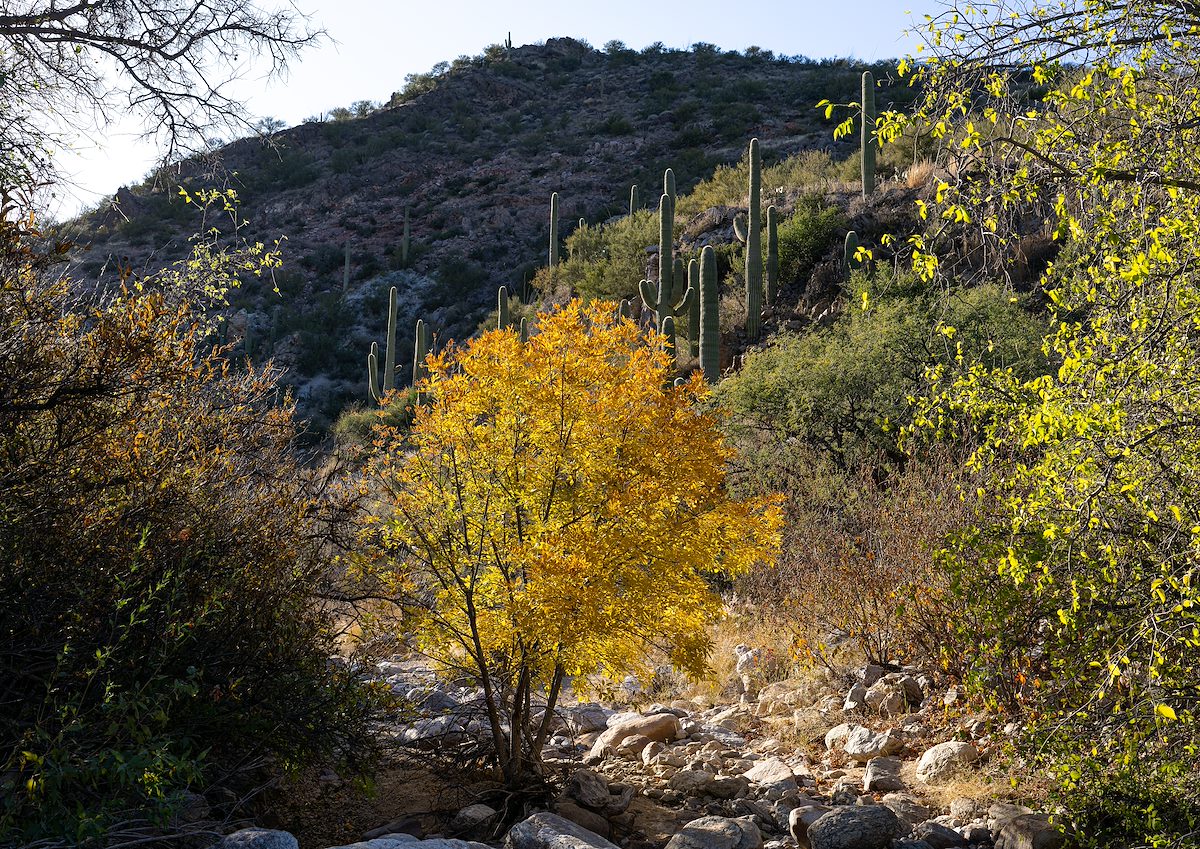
(906, 807)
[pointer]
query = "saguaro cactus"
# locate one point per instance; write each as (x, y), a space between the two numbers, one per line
(669, 185)
(421, 344)
(710, 320)
(849, 249)
(373, 373)
(624, 309)
(554, 229)
(772, 255)
(346, 272)
(379, 389)
(668, 330)
(868, 132)
(634, 200)
(524, 330)
(693, 277)
(754, 281)
(502, 314)
(669, 300)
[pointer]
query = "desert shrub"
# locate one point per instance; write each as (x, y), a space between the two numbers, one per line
(844, 390)
(806, 236)
(356, 425)
(858, 549)
(161, 555)
(604, 261)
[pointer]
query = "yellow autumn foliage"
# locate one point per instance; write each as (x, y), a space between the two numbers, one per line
(555, 512)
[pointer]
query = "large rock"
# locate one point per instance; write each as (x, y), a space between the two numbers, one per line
(692, 782)
(772, 772)
(660, 728)
(863, 744)
(856, 827)
(407, 841)
(837, 735)
(1029, 831)
(906, 807)
(588, 789)
(258, 838)
(590, 820)
(799, 819)
(587, 717)
(718, 833)
(472, 819)
(882, 775)
(939, 836)
(550, 831)
(944, 759)
(886, 698)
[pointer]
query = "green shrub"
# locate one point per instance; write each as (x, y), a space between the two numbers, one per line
(604, 261)
(845, 390)
(161, 557)
(806, 236)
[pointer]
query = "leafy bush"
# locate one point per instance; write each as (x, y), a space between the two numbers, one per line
(845, 389)
(604, 261)
(806, 236)
(161, 555)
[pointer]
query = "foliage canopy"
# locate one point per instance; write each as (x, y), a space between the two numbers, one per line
(557, 513)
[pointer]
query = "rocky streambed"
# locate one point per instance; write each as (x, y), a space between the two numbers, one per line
(876, 767)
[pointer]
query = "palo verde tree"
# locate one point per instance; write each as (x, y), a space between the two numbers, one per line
(1079, 119)
(169, 62)
(557, 514)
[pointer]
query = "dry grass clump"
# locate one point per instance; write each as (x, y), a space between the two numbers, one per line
(920, 174)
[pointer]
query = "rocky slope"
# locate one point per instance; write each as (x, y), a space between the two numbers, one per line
(472, 154)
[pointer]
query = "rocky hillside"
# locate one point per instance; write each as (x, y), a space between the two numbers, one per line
(472, 152)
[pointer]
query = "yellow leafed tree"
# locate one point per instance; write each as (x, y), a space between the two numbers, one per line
(554, 512)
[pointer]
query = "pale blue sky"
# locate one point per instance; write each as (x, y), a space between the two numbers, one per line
(374, 44)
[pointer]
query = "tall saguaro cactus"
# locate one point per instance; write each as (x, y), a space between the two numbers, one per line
(671, 299)
(669, 185)
(379, 389)
(346, 272)
(772, 255)
(710, 319)
(634, 201)
(754, 271)
(502, 313)
(868, 132)
(554, 229)
(421, 344)
(693, 277)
